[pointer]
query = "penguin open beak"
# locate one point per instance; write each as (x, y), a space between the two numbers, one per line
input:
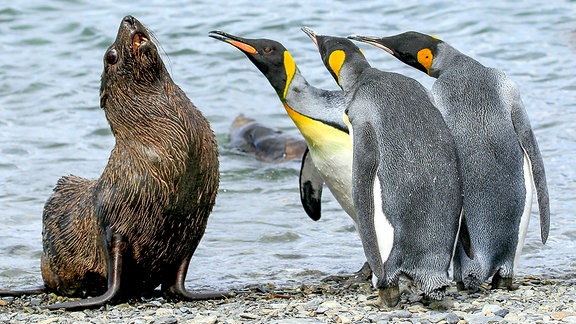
(372, 40)
(311, 33)
(236, 41)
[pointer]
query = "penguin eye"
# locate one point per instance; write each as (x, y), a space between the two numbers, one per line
(111, 56)
(267, 50)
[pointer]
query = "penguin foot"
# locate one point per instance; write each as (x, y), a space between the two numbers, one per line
(389, 296)
(499, 282)
(460, 286)
(362, 275)
(472, 283)
(436, 294)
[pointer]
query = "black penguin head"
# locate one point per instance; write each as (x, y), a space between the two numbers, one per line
(413, 48)
(269, 56)
(336, 51)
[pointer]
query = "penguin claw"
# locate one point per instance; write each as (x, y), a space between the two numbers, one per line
(389, 296)
(360, 276)
(499, 282)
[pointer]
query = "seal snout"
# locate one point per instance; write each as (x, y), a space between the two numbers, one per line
(131, 21)
(137, 31)
(138, 40)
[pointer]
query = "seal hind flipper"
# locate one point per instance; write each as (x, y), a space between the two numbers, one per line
(117, 248)
(21, 292)
(311, 183)
(178, 289)
(529, 144)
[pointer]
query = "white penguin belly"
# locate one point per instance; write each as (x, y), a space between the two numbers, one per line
(525, 220)
(335, 166)
(383, 228)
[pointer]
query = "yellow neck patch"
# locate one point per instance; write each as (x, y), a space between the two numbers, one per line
(347, 121)
(336, 60)
(319, 136)
(290, 68)
(425, 58)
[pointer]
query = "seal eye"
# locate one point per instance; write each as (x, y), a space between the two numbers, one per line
(112, 56)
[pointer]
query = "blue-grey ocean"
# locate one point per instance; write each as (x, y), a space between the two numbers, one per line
(51, 123)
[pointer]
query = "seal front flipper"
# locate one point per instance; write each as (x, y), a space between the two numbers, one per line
(117, 248)
(311, 183)
(177, 289)
(531, 151)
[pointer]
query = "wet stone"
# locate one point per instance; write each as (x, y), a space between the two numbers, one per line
(401, 314)
(452, 318)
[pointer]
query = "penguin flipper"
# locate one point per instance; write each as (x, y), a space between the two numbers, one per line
(366, 189)
(529, 145)
(464, 237)
(311, 184)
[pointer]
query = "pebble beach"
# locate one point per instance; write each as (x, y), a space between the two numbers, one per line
(537, 300)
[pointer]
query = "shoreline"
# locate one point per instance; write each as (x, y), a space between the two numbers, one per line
(537, 300)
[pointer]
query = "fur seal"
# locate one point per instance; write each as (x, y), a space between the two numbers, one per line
(137, 226)
(267, 144)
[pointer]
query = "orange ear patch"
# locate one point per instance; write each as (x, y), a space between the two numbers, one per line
(336, 60)
(425, 58)
(290, 68)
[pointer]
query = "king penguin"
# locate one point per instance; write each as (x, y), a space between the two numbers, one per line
(317, 114)
(405, 183)
(498, 153)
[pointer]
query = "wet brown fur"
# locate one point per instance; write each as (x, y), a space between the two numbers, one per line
(156, 191)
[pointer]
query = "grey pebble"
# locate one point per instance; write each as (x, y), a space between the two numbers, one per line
(481, 319)
(35, 302)
(401, 314)
(296, 321)
(452, 318)
(313, 304)
(435, 318)
(379, 318)
(249, 316)
(502, 313)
